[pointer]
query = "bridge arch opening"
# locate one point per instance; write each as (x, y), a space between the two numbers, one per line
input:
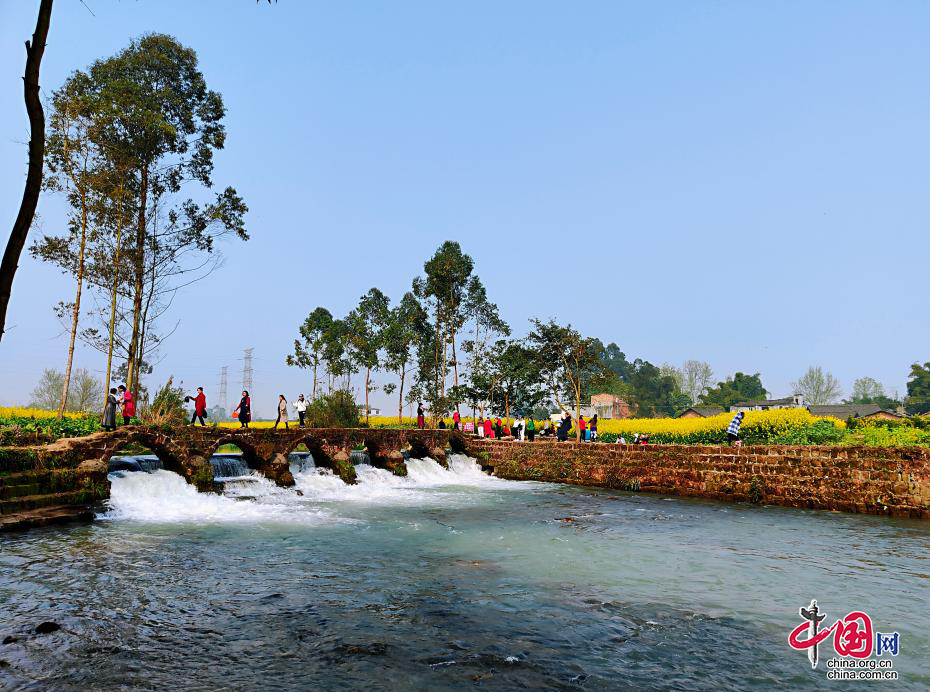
(145, 455)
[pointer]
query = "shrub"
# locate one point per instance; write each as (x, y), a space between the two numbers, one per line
(167, 408)
(823, 432)
(334, 410)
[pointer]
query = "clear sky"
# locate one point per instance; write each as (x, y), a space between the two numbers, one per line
(742, 183)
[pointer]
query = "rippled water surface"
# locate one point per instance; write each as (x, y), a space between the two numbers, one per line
(445, 579)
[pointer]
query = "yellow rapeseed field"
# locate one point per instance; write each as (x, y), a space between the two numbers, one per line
(25, 412)
(775, 422)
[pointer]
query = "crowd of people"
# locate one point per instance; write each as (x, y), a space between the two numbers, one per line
(523, 429)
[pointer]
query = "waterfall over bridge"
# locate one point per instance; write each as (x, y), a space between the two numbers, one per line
(188, 450)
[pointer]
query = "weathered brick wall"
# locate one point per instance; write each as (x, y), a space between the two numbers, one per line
(891, 481)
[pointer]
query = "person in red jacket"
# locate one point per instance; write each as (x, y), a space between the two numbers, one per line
(456, 420)
(488, 431)
(200, 407)
(127, 403)
(582, 426)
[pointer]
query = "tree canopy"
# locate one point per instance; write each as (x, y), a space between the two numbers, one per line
(740, 387)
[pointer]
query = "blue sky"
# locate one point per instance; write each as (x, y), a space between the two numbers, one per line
(742, 183)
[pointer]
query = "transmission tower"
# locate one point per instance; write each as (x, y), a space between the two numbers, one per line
(224, 402)
(247, 370)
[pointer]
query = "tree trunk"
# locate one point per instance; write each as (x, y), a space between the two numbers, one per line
(506, 405)
(313, 393)
(140, 351)
(114, 296)
(455, 366)
(578, 410)
(27, 207)
(75, 314)
(367, 378)
(400, 398)
(139, 270)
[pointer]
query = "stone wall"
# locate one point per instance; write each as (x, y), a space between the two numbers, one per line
(890, 481)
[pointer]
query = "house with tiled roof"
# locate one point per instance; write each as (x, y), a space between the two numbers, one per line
(701, 412)
(795, 401)
(846, 411)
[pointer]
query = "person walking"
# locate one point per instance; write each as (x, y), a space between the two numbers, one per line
(200, 407)
(733, 430)
(127, 404)
(498, 428)
(488, 430)
(301, 407)
(480, 427)
(109, 412)
(456, 419)
(530, 428)
(244, 410)
(564, 426)
(282, 412)
(582, 428)
(592, 426)
(421, 419)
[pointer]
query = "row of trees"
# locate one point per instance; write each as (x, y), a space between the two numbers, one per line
(124, 138)
(445, 344)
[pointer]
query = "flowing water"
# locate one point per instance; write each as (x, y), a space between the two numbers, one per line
(444, 579)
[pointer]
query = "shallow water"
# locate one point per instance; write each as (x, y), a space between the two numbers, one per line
(445, 579)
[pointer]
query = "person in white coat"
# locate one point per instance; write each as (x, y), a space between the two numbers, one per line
(301, 406)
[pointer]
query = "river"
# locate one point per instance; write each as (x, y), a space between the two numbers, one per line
(443, 580)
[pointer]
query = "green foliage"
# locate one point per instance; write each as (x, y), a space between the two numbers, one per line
(567, 361)
(822, 432)
(918, 389)
(19, 429)
(516, 382)
(649, 389)
(167, 408)
(889, 436)
(740, 387)
(308, 350)
(334, 410)
(755, 491)
(405, 326)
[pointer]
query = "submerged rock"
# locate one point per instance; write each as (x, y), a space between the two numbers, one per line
(47, 627)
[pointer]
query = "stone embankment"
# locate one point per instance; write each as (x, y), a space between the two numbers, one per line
(888, 481)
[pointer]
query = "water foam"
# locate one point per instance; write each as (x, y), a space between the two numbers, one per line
(165, 497)
(424, 477)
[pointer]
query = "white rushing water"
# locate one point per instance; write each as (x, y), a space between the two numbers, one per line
(426, 482)
(163, 496)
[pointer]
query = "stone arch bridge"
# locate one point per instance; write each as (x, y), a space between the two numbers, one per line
(187, 450)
